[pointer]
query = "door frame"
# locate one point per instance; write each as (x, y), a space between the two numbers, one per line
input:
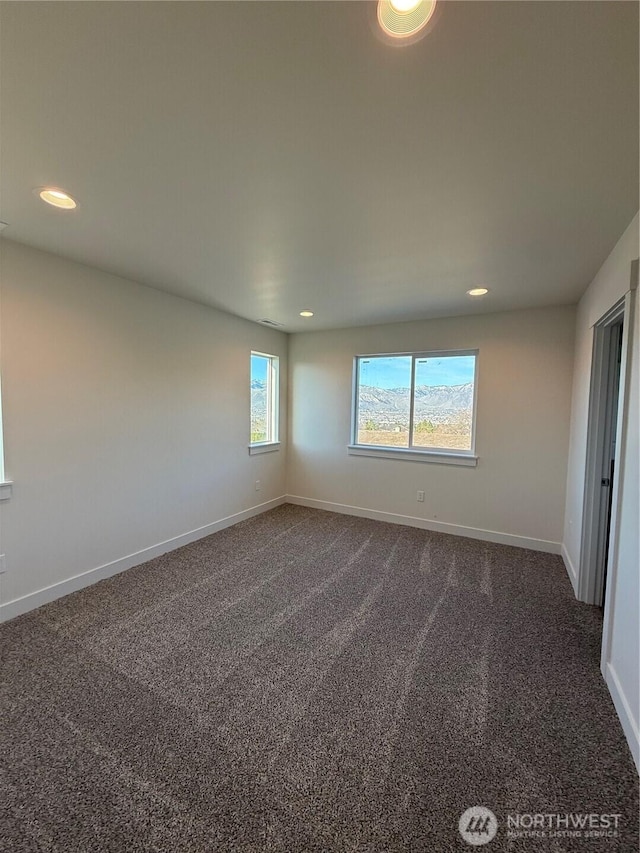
(588, 575)
(595, 499)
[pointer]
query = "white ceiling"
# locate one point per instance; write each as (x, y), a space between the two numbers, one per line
(268, 157)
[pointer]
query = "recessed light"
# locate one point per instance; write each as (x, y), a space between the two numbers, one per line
(57, 198)
(306, 313)
(478, 291)
(404, 19)
(404, 6)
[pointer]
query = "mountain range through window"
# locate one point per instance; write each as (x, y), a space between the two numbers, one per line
(419, 401)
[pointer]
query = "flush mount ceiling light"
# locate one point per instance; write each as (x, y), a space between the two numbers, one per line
(57, 198)
(404, 21)
(306, 313)
(478, 291)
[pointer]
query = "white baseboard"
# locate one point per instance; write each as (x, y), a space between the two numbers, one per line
(623, 709)
(14, 608)
(571, 569)
(437, 526)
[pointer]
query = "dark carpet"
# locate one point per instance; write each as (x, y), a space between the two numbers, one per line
(306, 681)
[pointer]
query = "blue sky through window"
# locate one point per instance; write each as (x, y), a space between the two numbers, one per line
(450, 370)
(395, 371)
(259, 368)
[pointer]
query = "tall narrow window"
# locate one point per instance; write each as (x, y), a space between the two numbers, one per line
(264, 398)
(1, 442)
(5, 485)
(417, 401)
(384, 400)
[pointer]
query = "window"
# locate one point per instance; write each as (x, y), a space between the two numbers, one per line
(264, 401)
(5, 485)
(415, 403)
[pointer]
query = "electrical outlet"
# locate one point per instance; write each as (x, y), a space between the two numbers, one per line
(3, 564)
(420, 497)
(258, 485)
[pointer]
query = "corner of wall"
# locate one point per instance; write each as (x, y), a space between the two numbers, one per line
(571, 569)
(630, 726)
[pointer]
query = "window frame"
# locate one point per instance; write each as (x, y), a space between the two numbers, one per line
(415, 453)
(272, 441)
(5, 485)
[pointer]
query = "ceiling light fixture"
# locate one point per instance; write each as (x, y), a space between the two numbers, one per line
(405, 20)
(57, 198)
(478, 291)
(306, 313)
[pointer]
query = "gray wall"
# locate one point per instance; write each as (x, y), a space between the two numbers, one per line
(516, 493)
(622, 664)
(126, 420)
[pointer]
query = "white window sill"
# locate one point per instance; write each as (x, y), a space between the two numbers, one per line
(264, 447)
(5, 490)
(441, 457)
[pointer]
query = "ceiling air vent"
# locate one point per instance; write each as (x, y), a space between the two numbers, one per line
(270, 323)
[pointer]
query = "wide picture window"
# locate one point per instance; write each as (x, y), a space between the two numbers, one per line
(421, 402)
